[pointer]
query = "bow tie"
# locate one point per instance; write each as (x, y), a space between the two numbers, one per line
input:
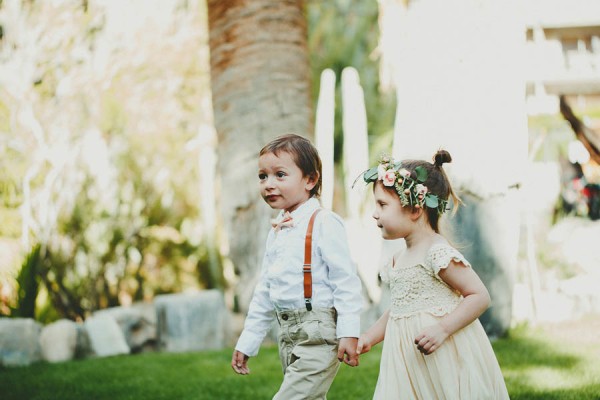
(285, 221)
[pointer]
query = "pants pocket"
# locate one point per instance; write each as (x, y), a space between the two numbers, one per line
(313, 333)
(328, 332)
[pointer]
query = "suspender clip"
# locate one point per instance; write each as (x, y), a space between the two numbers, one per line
(308, 304)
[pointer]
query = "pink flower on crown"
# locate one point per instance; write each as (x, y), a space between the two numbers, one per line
(421, 189)
(404, 173)
(389, 178)
(381, 169)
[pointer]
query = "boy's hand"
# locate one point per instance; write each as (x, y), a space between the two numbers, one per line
(347, 351)
(364, 344)
(239, 363)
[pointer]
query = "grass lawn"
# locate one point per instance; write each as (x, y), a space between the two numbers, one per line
(552, 361)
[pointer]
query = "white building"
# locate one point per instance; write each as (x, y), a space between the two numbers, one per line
(563, 53)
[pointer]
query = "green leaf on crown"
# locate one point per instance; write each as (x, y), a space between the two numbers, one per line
(370, 175)
(431, 201)
(421, 174)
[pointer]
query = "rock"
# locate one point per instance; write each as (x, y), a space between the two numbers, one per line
(106, 337)
(192, 321)
(19, 341)
(138, 324)
(84, 346)
(58, 341)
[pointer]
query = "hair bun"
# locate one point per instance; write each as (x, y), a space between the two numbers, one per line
(441, 157)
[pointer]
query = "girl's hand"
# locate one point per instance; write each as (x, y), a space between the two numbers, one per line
(364, 344)
(431, 339)
(239, 363)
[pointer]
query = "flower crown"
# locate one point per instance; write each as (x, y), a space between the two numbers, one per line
(411, 189)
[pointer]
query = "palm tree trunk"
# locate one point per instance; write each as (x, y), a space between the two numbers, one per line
(261, 89)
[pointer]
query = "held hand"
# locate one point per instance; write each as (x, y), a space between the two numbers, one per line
(347, 351)
(431, 339)
(239, 363)
(364, 344)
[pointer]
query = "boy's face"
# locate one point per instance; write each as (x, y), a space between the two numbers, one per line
(282, 184)
(393, 219)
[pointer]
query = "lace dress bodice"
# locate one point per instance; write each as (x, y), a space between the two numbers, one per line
(419, 288)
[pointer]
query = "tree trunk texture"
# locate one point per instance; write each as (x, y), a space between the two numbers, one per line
(260, 80)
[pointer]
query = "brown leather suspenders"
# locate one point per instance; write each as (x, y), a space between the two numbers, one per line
(308, 262)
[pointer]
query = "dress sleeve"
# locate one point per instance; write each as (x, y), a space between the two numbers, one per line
(384, 271)
(441, 255)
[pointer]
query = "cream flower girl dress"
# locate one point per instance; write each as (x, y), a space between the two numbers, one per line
(463, 367)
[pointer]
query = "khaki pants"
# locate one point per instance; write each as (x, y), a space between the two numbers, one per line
(308, 350)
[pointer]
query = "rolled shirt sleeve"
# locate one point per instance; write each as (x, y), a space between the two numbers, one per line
(258, 321)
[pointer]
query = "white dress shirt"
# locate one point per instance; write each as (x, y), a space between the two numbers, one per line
(281, 286)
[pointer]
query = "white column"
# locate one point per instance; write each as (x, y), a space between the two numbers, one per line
(324, 129)
(363, 236)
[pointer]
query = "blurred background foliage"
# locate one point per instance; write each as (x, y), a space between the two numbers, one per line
(99, 157)
(99, 171)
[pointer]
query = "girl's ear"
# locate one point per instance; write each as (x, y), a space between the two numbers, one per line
(416, 213)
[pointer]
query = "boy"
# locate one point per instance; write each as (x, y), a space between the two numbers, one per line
(309, 284)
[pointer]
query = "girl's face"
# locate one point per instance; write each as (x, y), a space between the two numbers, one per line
(393, 219)
(282, 184)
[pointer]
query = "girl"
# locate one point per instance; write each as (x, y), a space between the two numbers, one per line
(308, 280)
(435, 347)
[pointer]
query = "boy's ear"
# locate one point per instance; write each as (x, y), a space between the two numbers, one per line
(312, 181)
